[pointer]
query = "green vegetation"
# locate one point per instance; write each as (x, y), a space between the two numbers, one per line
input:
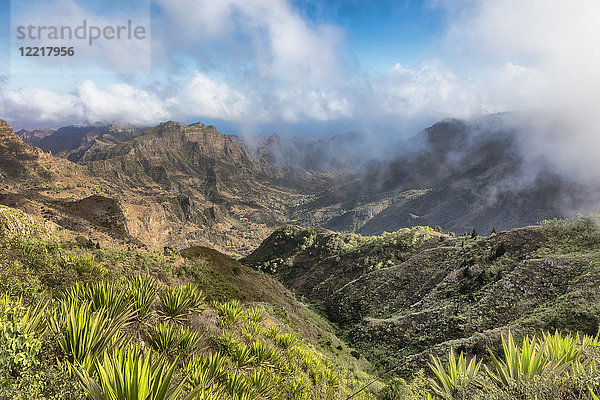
(177, 302)
(80, 322)
(552, 367)
(441, 312)
(401, 297)
(130, 373)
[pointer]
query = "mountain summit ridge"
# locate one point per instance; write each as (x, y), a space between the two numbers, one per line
(191, 184)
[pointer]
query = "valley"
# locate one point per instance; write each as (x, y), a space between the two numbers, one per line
(375, 264)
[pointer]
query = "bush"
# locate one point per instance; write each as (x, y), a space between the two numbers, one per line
(178, 301)
(21, 332)
(131, 374)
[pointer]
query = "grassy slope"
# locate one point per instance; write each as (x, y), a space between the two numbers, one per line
(34, 265)
(397, 301)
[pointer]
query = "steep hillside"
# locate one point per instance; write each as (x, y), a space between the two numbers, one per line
(180, 310)
(400, 296)
(190, 184)
(180, 185)
(60, 192)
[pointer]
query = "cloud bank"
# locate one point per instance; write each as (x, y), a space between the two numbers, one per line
(257, 62)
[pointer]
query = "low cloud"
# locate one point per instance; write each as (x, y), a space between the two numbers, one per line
(557, 44)
(39, 108)
(31, 108)
(262, 63)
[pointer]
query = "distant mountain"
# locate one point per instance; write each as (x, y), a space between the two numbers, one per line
(340, 154)
(179, 185)
(186, 184)
(461, 176)
(34, 136)
(62, 193)
(72, 142)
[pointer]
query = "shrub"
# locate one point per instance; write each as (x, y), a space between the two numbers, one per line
(84, 334)
(178, 301)
(167, 338)
(131, 374)
(231, 313)
(522, 363)
(21, 329)
(206, 370)
(457, 374)
(143, 291)
(108, 296)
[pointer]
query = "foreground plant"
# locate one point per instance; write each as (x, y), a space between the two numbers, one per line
(167, 338)
(143, 291)
(565, 348)
(105, 295)
(84, 334)
(178, 301)
(21, 330)
(456, 374)
(231, 313)
(132, 374)
(207, 370)
(520, 364)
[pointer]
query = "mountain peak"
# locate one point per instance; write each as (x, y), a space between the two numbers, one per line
(8, 135)
(5, 128)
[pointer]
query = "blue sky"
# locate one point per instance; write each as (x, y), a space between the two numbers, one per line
(303, 67)
(383, 33)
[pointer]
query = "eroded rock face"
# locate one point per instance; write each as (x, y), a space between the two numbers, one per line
(7, 134)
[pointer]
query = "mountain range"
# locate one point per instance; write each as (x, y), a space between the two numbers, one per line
(177, 185)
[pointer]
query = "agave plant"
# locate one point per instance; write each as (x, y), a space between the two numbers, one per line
(189, 340)
(104, 295)
(261, 383)
(84, 334)
(265, 355)
(285, 340)
(254, 329)
(143, 291)
(299, 389)
(178, 301)
(331, 378)
(231, 313)
(167, 338)
(561, 347)
(238, 387)
(227, 340)
(457, 374)
(206, 370)
(273, 331)
(586, 371)
(163, 338)
(242, 357)
(255, 314)
(129, 373)
(522, 363)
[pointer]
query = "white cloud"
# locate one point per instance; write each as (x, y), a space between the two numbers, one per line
(259, 62)
(38, 107)
(121, 102)
(283, 46)
(206, 97)
(557, 42)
